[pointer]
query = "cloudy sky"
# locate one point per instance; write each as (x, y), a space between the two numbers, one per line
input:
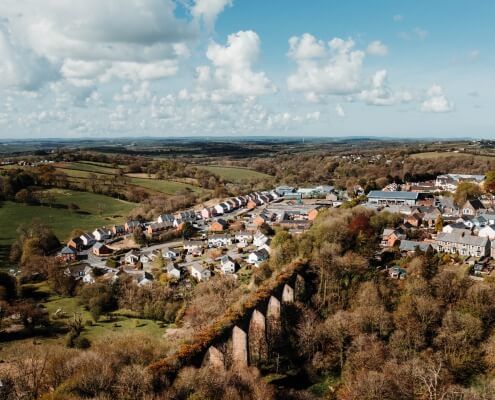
(113, 68)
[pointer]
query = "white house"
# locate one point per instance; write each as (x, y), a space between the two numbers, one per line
(219, 240)
(88, 275)
(101, 234)
(132, 257)
(244, 236)
(173, 272)
(147, 257)
(462, 243)
(200, 273)
(227, 265)
(194, 246)
(258, 256)
(145, 279)
(259, 239)
(488, 231)
(170, 254)
(88, 239)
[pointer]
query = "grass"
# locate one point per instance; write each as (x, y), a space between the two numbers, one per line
(95, 210)
(234, 174)
(444, 154)
(70, 306)
(163, 186)
(89, 167)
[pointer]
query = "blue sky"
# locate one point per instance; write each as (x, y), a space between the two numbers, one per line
(246, 67)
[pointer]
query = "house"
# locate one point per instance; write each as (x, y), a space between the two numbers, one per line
(259, 239)
(101, 250)
(88, 239)
(397, 273)
(101, 234)
(227, 265)
(194, 247)
(158, 227)
(170, 254)
(447, 206)
(200, 273)
(166, 218)
(221, 209)
(173, 272)
(244, 237)
(145, 279)
(258, 256)
(390, 237)
(88, 275)
(473, 207)
(68, 254)
(208, 213)
(147, 257)
(75, 243)
(131, 226)
(118, 230)
(430, 216)
(492, 251)
(132, 257)
(411, 246)
(379, 197)
(261, 219)
(76, 271)
(219, 225)
(219, 240)
(414, 220)
(453, 226)
(463, 243)
(487, 231)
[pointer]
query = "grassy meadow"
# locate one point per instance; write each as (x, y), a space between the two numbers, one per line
(94, 210)
(235, 174)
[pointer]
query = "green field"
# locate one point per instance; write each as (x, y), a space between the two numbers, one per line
(89, 167)
(95, 210)
(235, 174)
(444, 154)
(69, 306)
(163, 186)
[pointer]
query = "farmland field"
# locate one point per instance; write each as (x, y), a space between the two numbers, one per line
(95, 210)
(235, 174)
(168, 187)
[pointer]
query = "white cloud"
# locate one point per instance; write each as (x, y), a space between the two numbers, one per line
(397, 18)
(436, 101)
(377, 48)
(380, 94)
(416, 33)
(208, 10)
(232, 72)
(340, 111)
(334, 68)
(125, 39)
(19, 66)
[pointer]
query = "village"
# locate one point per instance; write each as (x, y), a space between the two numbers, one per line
(233, 236)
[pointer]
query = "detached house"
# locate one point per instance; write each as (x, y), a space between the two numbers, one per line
(88, 239)
(200, 273)
(258, 256)
(227, 265)
(118, 230)
(68, 254)
(219, 225)
(75, 243)
(132, 257)
(173, 272)
(194, 246)
(462, 243)
(102, 234)
(391, 237)
(101, 250)
(473, 207)
(244, 237)
(259, 239)
(131, 226)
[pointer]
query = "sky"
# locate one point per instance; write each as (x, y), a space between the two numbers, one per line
(174, 68)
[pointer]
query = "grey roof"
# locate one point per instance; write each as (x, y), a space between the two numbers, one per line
(462, 238)
(411, 245)
(378, 194)
(68, 250)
